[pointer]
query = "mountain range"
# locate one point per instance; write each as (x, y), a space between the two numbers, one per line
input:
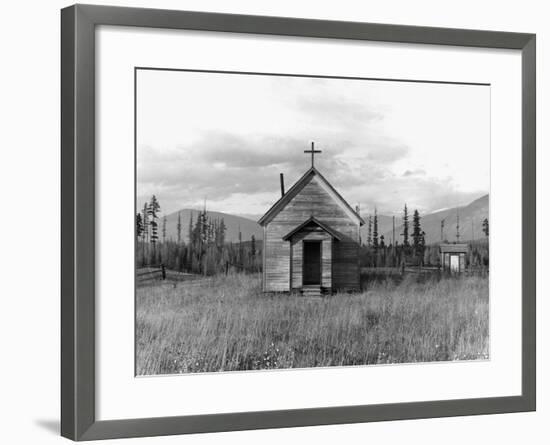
(233, 224)
(470, 216)
(470, 223)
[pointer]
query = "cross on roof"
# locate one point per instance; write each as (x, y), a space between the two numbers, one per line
(312, 151)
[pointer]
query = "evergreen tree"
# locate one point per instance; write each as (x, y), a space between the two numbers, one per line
(369, 230)
(405, 227)
(253, 246)
(252, 265)
(145, 222)
(145, 233)
(201, 236)
(154, 207)
(382, 247)
(375, 230)
(220, 238)
(178, 228)
(139, 226)
(486, 227)
(417, 233)
(153, 210)
(163, 229)
(154, 232)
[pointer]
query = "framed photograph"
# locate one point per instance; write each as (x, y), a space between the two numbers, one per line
(273, 222)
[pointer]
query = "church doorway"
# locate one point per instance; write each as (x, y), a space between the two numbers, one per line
(312, 263)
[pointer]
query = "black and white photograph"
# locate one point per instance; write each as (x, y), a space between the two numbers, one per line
(286, 221)
(275, 222)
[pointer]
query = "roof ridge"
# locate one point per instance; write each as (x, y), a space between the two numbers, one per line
(314, 171)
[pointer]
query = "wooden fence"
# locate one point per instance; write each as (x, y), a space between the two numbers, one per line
(152, 273)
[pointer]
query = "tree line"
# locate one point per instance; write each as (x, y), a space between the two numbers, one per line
(206, 251)
(375, 251)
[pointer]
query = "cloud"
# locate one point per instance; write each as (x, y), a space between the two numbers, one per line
(244, 185)
(386, 151)
(221, 166)
(336, 110)
(227, 138)
(415, 172)
(427, 194)
(233, 150)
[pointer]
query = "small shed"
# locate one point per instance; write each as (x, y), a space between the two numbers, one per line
(453, 257)
(311, 240)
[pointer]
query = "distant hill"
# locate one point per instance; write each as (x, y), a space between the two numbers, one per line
(476, 211)
(232, 222)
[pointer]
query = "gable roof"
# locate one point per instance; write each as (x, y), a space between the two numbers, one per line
(313, 220)
(297, 187)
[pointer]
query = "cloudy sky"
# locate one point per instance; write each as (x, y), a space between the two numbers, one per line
(226, 137)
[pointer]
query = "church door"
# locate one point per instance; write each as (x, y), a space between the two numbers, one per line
(312, 262)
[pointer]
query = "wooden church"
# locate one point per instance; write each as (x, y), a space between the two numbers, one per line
(311, 239)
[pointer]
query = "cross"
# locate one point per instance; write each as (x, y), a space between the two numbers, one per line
(312, 151)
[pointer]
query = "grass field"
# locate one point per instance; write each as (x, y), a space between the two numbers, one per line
(226, 323)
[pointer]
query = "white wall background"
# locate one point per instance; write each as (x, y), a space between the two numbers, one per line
(29, 221)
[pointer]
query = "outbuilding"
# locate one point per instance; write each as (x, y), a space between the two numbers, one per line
(453, 257)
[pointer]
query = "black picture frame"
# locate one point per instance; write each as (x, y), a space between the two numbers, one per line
(78, 23)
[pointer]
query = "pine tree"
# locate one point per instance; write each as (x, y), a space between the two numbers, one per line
(405, 227)
(145, 221)
(153, 210)
(139, 232)
(369, 231)
(154, 232)
(486, 227)
(203, 228)
(221, 233)
(211, 231)
(252, 253)
(163, 229)
(201, 235)
(178, 228)
(253, 246)
(375, 230)
(139, 226)
(417, 233)
(145, 233)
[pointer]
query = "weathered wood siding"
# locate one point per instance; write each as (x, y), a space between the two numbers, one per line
(326, 271)
(312, 200)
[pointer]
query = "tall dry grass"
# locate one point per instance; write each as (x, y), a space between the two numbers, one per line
(226, 323)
